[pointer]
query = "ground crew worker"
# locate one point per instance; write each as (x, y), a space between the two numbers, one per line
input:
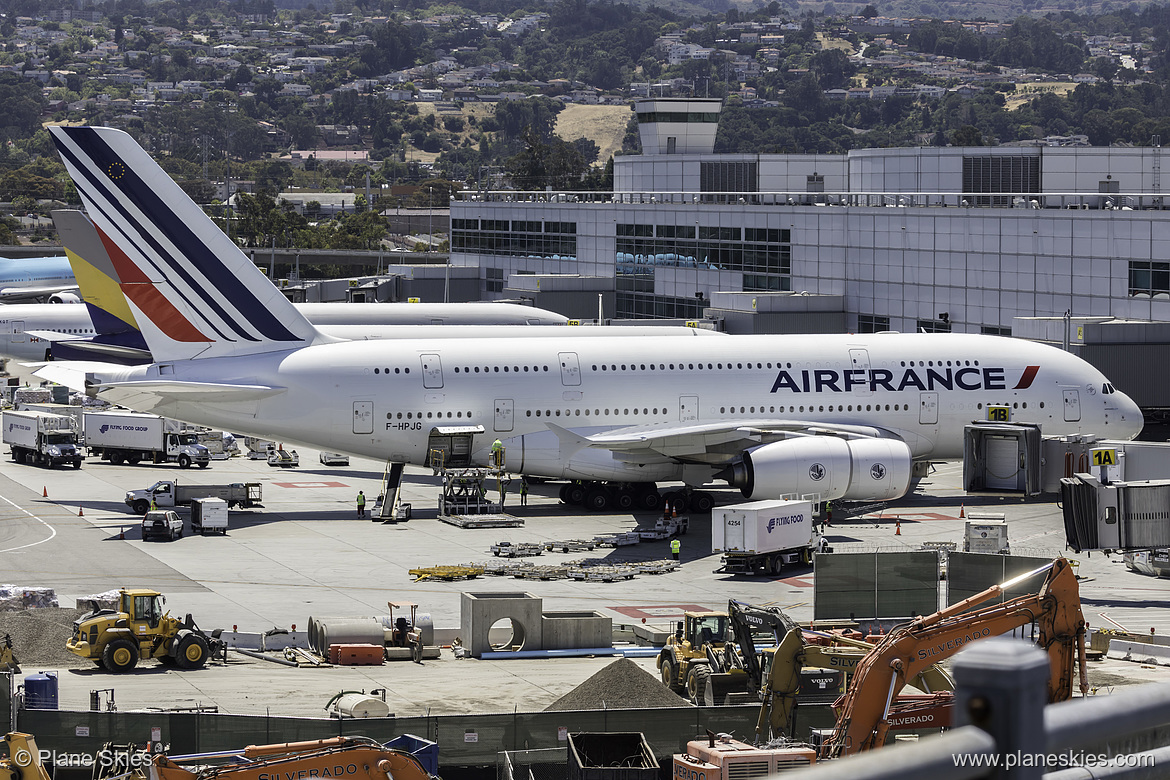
(675, 548)
(828, 513)
(524, 491)
(361, 504)
(153, 505)
(497, 453)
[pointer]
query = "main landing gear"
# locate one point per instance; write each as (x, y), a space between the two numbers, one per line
(633, 497)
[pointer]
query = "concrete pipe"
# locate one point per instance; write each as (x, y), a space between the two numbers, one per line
(316, 625)
(350, 632)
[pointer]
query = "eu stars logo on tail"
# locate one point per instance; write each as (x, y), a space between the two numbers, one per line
(191, 290)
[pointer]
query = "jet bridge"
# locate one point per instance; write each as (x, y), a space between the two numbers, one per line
(1115, 516)
(1002, 458)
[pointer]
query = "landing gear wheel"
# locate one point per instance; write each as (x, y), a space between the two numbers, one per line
(648, 497)
(597, 499)
(575, 495)
(121, 655)
(697, 683)
(625, 499)
(678, 502)
(564, 494)
(184, 461)
(669, 678)
(702, 502)
(192, 652)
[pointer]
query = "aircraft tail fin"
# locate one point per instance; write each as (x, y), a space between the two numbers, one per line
(191, 291)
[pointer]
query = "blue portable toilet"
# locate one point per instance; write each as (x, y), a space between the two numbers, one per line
(424, 750)
(40, 691)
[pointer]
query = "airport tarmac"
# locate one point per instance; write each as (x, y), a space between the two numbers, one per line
(306, 553)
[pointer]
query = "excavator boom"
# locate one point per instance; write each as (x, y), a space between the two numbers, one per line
(910, 648)
(348, 758)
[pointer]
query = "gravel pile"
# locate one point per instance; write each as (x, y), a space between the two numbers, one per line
(621, 685)
(39, 636)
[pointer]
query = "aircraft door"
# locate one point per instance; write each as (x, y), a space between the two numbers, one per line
(503, 414)
(859, 361)
(570, 369)
(18, 336)
(688, 408)
(928, 408)
(363, 417)
(1072, 406)
(432, 369)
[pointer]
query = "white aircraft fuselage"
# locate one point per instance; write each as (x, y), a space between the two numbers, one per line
(383, 400)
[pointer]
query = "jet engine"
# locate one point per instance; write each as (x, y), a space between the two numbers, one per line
(860, 469)
(64, 297)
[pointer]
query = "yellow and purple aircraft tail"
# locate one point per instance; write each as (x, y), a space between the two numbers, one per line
(189, 289)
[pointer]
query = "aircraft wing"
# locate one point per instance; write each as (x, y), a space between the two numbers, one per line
(18, 294)
(714, 443)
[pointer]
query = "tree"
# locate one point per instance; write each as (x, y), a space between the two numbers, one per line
(869, 11)
(967, 135)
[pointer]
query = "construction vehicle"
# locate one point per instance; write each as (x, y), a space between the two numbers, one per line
(169, 493)
(723, 758)
(357, 758)
(13, 767)
(41, 438)
(865, 712)
(776, 674)
(683, 662)
(118, 638)
(130, 437)
(8, 660)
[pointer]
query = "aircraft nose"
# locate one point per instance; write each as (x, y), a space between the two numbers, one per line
(1128, 417)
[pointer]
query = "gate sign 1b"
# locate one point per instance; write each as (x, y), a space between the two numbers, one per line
(999, 413)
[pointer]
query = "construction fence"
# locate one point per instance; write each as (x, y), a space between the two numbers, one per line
(464, 740)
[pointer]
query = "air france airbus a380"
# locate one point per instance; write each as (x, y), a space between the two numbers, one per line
(838, 416)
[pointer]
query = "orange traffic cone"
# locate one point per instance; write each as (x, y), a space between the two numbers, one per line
(961, 508)
(898, 527)
(80, 512)
(674, 511)
(45, 492)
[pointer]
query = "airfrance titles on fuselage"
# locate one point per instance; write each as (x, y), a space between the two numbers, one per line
(967, 378)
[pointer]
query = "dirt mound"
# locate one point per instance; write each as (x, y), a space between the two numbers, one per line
(621, 685)
(39, 636)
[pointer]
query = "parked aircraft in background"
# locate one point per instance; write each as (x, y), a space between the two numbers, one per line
(831, 416)
(37, 278)
(106, 329)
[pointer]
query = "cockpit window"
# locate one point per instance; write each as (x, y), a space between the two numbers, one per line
(1107, 388)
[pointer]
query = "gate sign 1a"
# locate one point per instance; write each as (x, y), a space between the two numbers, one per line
(999, 413)
(1103, 456)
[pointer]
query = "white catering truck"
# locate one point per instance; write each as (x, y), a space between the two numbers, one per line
(759, 537)
(119, 436)
(41, 438)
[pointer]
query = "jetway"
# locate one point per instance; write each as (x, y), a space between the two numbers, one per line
(1015, 458)
(1115, 516)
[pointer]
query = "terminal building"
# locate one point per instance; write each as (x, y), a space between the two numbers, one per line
(911, 239)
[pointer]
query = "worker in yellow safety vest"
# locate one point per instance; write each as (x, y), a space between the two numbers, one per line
(675, 548)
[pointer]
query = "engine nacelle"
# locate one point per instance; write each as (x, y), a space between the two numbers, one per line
(64, 297)
(853, 469)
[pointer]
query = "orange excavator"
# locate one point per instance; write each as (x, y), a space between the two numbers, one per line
(349, 758)
(866, 713)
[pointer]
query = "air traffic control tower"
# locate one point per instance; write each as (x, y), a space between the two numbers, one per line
(678, 125)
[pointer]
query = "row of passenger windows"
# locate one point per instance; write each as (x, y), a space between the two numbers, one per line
(647, 411)
(659, 367)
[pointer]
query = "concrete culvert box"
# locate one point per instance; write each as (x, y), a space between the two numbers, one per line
(611, 756)
(566, 630)
(521, 612)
